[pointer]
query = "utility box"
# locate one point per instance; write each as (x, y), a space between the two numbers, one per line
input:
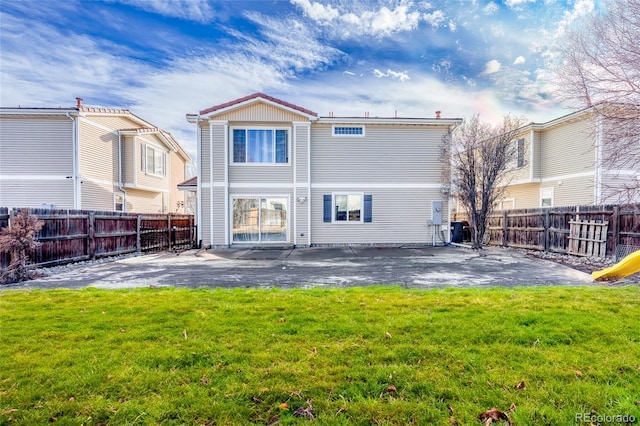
(436, 212)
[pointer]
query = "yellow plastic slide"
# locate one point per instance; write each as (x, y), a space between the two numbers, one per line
(627, 266)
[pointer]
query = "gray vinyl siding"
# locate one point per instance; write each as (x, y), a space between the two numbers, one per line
(205, 222)
(36, 146)
(567, 149)
(399, 216)
(35, 193)
(218, 152)
(387, 154)
(204, 154)
(302, 154)
(218, 216)
(301, 218)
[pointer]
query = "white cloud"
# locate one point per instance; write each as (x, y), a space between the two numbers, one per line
(435, 19)
(519, 60)
(491, 67)
(353, 19)
(402, 76)
(490, 8)
(193, 10)
(580, 9)
(317, 11)
(517, 4)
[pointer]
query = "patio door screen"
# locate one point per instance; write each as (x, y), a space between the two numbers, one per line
(259, 220)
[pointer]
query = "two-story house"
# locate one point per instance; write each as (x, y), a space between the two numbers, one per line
(563, 162)
(271, 172)
(88, 158)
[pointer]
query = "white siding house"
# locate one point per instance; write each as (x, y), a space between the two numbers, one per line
(90, 159)
(564, 165)
(274, 173)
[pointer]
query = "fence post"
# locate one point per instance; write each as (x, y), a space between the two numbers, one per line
(92, 235)
(169, 231)
(547, 231)
(615, 228)
(138, 236)
(504, 228)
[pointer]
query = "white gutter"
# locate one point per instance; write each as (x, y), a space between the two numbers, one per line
(120, 186)
(376, 120)
(76, 161)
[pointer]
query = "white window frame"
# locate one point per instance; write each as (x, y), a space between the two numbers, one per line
(346, 135)
(115, 202)
(270, 164)
(163, 158)
(543, 197)
(259, 196)
(502, 202)
(333, 208)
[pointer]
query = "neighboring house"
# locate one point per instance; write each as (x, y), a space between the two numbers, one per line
(270, 172)
(90, 159)
(560, 163)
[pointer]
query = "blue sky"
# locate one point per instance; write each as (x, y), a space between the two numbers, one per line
(166, 58)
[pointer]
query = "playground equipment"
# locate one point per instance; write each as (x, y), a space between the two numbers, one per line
(627, 266)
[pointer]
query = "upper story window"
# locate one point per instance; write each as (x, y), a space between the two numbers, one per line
(348, 130)
(261, 146)
(154, 160)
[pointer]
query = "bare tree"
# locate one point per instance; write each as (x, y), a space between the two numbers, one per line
(480, 157)
(600, 70)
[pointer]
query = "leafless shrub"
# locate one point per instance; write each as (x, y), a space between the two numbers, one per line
(18, 240)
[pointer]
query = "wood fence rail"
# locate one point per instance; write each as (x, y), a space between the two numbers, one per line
(75, 235)
(548, 229)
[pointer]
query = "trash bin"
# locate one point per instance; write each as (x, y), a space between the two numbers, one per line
(456, 232)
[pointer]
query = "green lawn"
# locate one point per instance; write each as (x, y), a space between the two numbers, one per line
(375, 355)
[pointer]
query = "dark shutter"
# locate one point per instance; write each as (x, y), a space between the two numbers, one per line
(327, 207)
(367, 208)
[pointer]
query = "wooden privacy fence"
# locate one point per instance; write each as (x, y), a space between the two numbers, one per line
(549, 229)
(75, 235)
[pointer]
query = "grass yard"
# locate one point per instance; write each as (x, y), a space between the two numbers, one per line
(361, 356)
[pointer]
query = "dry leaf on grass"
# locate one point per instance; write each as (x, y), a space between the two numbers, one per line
(306, 412)
(387, 335)
(493, 415)
(520, 385)
(283, 406)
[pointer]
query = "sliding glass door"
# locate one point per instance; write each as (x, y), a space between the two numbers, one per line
(259, 220)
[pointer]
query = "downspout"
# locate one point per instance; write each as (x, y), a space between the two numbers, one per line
(598, 160)
(76, 161)
(120, 185)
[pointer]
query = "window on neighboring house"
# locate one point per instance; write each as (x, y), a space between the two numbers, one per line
(546, 197)
(347, 208)
(153, 160)
(119, 202)
(518, 153)
(348, 130)
(260, 146)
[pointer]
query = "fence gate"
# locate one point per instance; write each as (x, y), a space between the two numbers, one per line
(588, 238)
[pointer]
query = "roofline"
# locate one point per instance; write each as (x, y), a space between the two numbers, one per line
(257, 97)
(390, 120)
(148, 128)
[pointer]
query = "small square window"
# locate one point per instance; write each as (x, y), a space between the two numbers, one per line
(348, 130)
